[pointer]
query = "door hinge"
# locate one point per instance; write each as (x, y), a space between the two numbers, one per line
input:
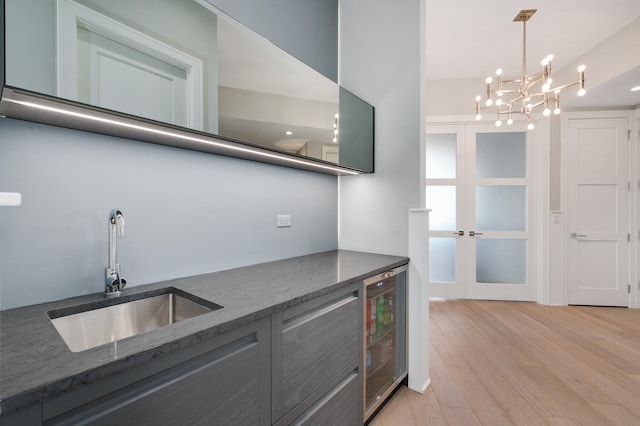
(628, 134)
(629, 289)
(628, 186)
(629, 237)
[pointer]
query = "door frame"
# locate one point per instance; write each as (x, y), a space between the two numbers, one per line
(633, 118)
(539, 183)
(69, 14)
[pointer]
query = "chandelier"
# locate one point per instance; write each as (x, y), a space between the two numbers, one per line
(529, 93)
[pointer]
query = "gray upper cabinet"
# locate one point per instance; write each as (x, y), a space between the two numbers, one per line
(246, 79)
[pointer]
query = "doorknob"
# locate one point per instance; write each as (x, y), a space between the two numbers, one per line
(474, 233)
(575, 235)
(458, 234)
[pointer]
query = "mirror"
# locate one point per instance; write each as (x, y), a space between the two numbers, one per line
(185, 64)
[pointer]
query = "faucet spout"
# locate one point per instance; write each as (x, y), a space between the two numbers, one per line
(114, 282)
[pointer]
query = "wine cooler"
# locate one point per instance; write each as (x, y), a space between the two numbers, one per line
(385, 336)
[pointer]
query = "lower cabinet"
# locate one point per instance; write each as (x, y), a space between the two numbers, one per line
(317, 360)
(226, 385)
(30, 415)
(301, 366)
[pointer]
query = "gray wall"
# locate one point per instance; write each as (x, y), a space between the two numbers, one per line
(186, 212)
(383, 67)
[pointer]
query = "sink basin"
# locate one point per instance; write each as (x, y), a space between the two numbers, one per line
(86, 326)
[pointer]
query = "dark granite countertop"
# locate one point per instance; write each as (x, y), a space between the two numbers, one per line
(35, 363)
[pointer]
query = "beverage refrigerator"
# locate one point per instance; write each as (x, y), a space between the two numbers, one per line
(385, 336)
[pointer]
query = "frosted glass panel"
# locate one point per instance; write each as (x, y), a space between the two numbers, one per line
(442, 260)
(501, 261)
(501, 208)
(501, 155)
(441, 156)
(442, 201)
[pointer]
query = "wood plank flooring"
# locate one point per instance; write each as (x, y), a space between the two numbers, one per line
(502, 363)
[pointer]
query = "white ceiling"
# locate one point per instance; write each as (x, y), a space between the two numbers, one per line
(471, 39)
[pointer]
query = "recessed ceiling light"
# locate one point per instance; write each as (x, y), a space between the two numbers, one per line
(635, 89)
(288, 132)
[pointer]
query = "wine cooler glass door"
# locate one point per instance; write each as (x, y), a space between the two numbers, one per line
(384, 336)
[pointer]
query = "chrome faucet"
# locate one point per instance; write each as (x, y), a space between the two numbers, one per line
(114, 282)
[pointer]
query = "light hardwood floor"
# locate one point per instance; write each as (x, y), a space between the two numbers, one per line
(500, 363)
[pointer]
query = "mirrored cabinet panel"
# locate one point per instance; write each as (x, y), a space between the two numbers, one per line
(189, 66)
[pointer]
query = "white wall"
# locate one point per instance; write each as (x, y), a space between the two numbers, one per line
(380, 61)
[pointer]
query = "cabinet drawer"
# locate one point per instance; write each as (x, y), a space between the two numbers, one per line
(339, 405)
(25, 416)
(225, 386)
(315, 341)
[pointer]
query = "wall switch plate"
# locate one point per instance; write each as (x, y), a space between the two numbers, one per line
(283, 221)
(10, 198)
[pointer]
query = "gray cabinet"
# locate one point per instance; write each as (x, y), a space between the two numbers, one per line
(315, 344)
(338, 402)
(302, 366)
(228, 384)
(26, 416)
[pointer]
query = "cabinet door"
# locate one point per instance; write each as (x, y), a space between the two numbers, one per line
(31, 415)
(312, 342)
(225, 386)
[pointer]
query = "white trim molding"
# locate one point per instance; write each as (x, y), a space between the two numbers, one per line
(71, 16)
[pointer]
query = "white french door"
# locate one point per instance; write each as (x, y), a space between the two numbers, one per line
(479, 187)
(598, 209)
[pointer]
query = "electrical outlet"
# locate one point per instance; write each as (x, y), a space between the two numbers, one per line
(283, 221)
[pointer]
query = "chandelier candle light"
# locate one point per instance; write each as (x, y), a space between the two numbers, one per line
(526, 96)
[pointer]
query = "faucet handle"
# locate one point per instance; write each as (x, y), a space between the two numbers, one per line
(117, 218)
(115, 283)
(120, 282)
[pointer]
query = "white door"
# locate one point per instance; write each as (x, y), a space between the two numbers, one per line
(598, 212)
(479, 187)
(105, 63)
(445, 194)
(117, 77)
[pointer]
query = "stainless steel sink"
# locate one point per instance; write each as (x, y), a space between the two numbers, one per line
(86, 326)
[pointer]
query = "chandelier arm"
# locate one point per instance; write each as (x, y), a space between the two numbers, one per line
(506, 91)
(534, 79)
(511, 81)
(514, 100)
(536, 105)
(564, 86)
(553, 97)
